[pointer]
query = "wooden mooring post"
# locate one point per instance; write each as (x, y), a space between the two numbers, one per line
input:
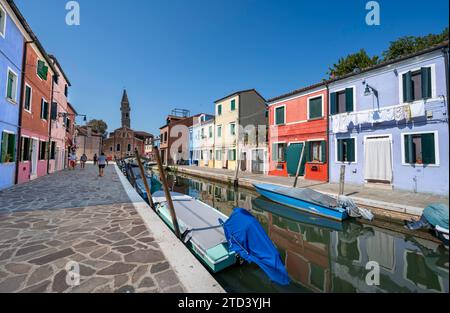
(173, 214)
(299, 167)
(144, 179)
(341, 181)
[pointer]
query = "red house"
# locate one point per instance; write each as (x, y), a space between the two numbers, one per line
(298, 126)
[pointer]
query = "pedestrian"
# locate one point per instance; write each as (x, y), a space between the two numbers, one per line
(83, 160)
(101, 164)
(95, 159)
(72, 160)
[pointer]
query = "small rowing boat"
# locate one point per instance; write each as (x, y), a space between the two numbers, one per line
(303, 199)
(200, 228)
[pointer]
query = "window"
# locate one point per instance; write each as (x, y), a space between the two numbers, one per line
(219, 109)
(42, 150)
(341, 101)
(2, 22)
(44, 110)
(218, 155)
(233, 105)
(68, 125)
(27, 101)
(315, 108)
(420, 149)
(280, 115)
(56, 79)
(316, 151)
(232, 129)
(210, 131)
(111, 149)
(53, 150)
(165, 137)
(42, 70)
(180, 149)
(232, 155)
(8, 148)
(66, 92)
(346, 150)
(11, 91)
(26, 149)
(203, 133)
(118, 147)
(129, 148)
(219, 131)
(278, 152)
(417, 84)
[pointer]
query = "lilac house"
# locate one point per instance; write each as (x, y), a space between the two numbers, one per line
(389, 124)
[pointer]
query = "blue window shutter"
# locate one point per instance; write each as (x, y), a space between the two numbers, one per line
(333, 103)
(349, 100)
(426, 82)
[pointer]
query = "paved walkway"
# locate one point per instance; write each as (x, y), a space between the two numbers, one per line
(398, 201)
(78, 216)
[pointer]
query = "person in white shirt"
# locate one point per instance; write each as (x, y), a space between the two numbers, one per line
(101, 164)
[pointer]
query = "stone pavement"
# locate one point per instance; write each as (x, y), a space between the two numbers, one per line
(393, 200)
(78, 216)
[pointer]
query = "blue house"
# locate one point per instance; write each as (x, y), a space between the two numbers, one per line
(12, 38)
(389, 124)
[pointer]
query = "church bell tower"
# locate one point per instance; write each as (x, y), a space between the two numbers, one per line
(125, 109)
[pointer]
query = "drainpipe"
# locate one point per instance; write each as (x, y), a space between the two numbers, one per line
(446, 58)
(22, 98)
(50, 124)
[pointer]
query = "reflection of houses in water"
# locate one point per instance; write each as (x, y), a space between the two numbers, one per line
(403, 266)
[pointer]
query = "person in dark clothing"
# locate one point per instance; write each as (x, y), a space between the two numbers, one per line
(95, 159)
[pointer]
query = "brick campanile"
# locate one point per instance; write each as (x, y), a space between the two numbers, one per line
(125, 109)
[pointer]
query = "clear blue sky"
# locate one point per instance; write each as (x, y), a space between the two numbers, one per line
(188, 53)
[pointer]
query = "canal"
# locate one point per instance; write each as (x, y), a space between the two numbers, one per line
(321, 255)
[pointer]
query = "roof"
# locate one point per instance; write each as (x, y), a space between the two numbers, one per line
(72, 108)
(143, 134)
(83, 131)
(238, 93)
(28, 29)
(367, 69)
(51, 56)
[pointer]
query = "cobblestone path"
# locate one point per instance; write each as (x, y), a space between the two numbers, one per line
(76, 216)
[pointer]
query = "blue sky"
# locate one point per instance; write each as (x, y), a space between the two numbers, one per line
(188, 53)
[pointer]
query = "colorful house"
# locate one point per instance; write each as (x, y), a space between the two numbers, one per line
(203, 140)
(298, 123)
(389, 124)
(12, 37)
(240, 134)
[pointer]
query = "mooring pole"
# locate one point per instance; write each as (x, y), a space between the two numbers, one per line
(299, 167)
(236, 174)
(144, 179)
(341, 181)
(167, 193)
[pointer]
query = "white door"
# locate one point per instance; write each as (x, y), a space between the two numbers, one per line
(378, 160)
(34, 158)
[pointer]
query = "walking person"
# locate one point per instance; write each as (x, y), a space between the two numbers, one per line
(101, 164)
(72, 160)
(95, 159)
(83, 161)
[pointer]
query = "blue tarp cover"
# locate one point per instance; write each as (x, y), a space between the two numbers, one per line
(437, 214)
(247, 238)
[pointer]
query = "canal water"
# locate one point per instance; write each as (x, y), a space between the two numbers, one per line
(321, 255)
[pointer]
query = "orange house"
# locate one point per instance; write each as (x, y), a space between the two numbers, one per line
(298, 127)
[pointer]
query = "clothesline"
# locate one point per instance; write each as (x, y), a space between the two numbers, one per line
(340, 123)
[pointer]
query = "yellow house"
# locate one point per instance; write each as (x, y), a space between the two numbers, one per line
(235, 114)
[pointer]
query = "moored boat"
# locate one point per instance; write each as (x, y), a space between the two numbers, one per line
(303, 199)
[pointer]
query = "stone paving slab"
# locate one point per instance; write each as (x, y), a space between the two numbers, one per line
(75, 216)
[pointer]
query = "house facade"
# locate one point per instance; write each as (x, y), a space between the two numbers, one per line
(12, 38)
(298, 123)
(61, 122)
(389, 124)
(240, 134)
(87, 142)
(203, 140)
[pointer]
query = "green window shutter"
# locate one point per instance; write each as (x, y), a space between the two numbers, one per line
(333, 103)
(428, 149)
(426, 82)
(323, 148)
(4, 147)
(233, 105)
(349, 100)
(307, 152)
(315, 108)
(410, 156)
(340, 147)
(407, 87)
(10, 86)
(279, 116)
(219, 109)
(27, 97)
(42, 70)
(351, 150)
(12, 147)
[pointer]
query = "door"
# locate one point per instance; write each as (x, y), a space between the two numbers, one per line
(244, 162)
(292, 158)
(378, 160)
(258, 161)
(34, 158)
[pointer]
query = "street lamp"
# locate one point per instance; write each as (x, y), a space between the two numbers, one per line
(370, 90)
(65, 114)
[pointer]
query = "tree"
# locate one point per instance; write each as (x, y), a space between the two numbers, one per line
(411, 44)
(98, 126)
(352, 62)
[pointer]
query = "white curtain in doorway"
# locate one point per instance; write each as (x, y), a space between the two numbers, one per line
(378, 159)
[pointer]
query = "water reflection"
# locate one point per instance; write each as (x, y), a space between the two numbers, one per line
(322, 255)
